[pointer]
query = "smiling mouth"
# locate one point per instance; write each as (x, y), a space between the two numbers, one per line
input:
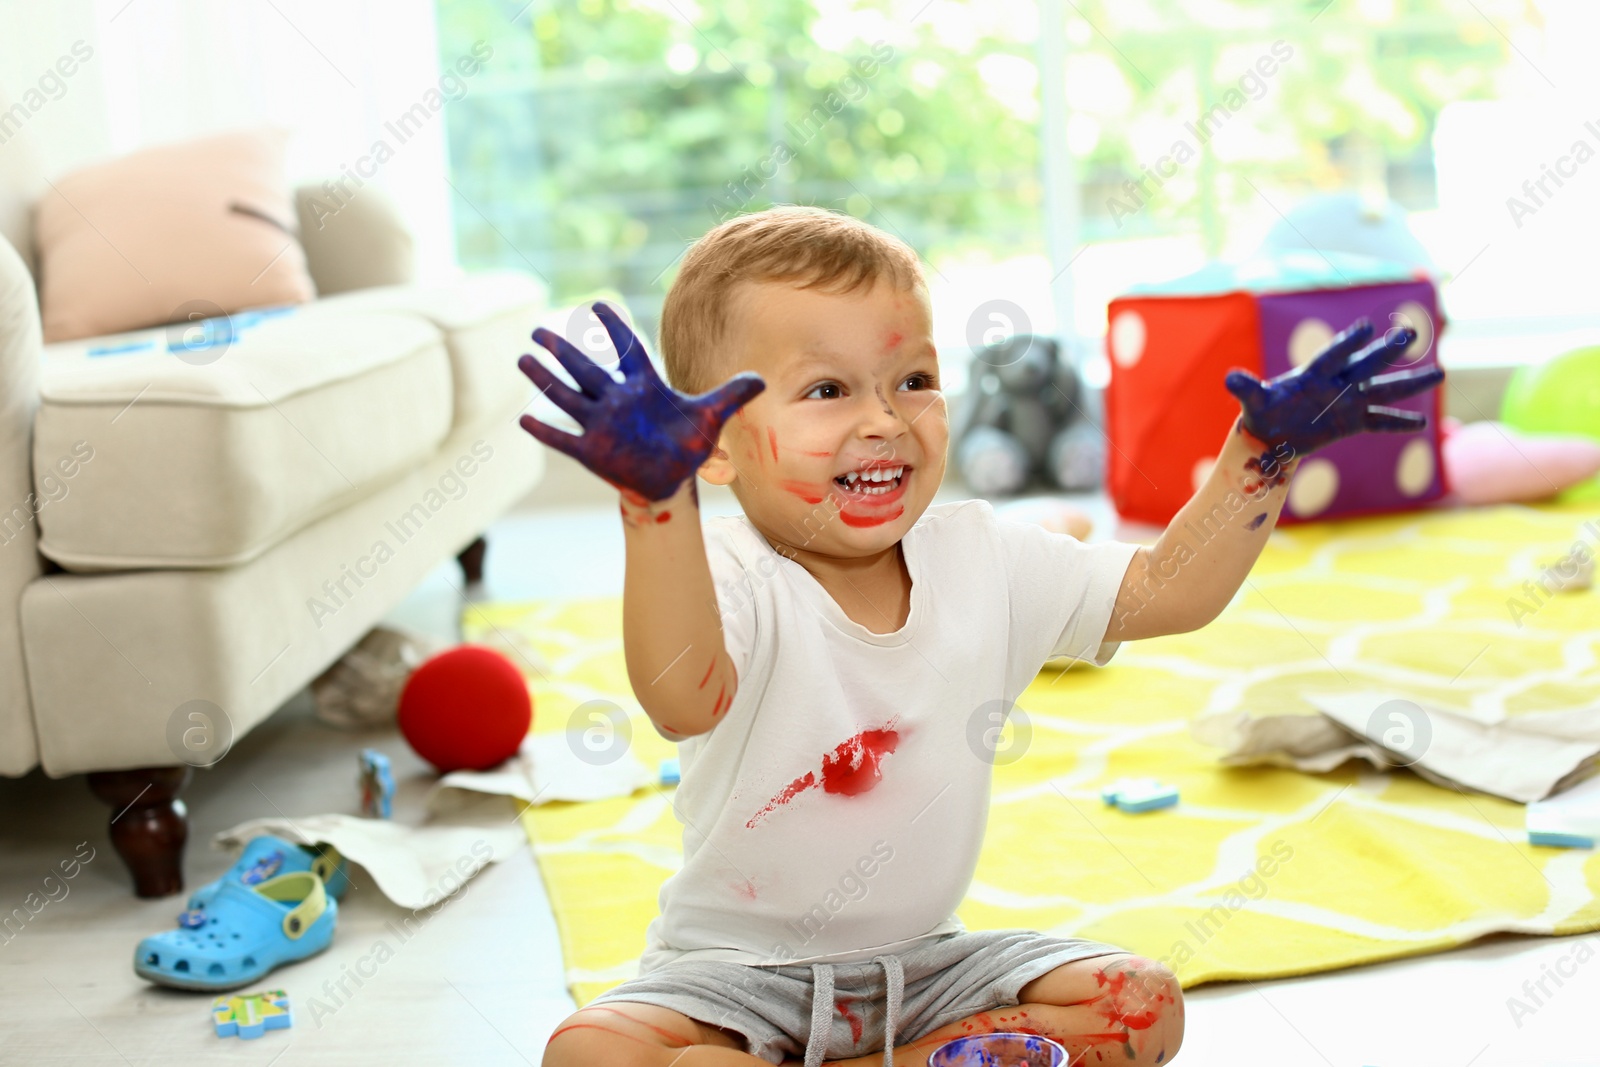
(873, 482)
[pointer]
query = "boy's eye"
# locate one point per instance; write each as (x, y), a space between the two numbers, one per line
(919, 381)
(825, 391)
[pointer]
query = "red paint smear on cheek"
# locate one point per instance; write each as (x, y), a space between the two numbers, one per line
(817, 455)
(804, 490)
(860, 521)
(772, 439)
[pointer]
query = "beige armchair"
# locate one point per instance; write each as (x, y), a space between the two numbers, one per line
(185, 546)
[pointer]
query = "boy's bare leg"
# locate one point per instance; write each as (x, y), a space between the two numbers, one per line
(1119, 1009)
(1116, 1010)
(629, 1034)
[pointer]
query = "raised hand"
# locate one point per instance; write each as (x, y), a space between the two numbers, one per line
(1336, 395)
(639, 434)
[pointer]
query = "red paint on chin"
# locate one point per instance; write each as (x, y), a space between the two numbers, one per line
(807, 491)
(860, 521)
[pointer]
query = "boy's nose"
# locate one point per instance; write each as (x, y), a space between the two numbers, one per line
(881, 417)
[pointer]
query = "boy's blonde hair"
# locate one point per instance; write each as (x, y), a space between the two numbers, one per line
(812, 247)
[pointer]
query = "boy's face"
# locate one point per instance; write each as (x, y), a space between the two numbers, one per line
(846, 447)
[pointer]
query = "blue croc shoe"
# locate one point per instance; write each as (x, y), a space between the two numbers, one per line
(243, 933)
(267, 857)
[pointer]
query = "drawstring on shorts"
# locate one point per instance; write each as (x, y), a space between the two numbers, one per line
(822, 1008)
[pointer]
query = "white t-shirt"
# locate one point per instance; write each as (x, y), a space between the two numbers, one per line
(836, 810)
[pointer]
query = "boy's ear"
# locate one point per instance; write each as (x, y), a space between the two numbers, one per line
(718, 469)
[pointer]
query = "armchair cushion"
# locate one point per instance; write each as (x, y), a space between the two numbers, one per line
(208, 464)
(487, 320)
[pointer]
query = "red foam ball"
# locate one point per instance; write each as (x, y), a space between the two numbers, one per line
(466, 709)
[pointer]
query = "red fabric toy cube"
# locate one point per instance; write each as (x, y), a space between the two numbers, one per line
(1167, 412)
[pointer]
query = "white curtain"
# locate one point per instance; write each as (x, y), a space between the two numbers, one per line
(333, 72)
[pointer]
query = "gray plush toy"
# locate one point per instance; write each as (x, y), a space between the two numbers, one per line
(1027, 415)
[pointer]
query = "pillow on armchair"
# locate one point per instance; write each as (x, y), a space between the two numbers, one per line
(169, 233)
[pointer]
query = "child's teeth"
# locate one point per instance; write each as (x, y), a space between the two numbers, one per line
(875, 480)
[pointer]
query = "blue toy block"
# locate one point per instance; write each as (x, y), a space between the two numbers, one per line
(669, 772)
(122, 349)
(377, 785)
(249, 1015)
(1134, 795)
(1550, 840)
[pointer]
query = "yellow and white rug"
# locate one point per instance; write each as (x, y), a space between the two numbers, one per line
(1259, 872)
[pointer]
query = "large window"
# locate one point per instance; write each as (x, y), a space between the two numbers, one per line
(607, 135)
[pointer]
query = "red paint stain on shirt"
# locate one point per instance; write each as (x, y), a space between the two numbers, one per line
(850, 769)
(853, 1019)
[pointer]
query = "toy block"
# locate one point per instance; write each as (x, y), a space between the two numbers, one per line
(669, 771)
(1171, 345)
(377, 785)
(1135, 795)
(249, 1015)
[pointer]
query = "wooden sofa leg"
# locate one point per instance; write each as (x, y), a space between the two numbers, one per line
(471, 559)
(149, 824)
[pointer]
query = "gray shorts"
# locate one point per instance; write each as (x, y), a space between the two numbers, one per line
(946, 979)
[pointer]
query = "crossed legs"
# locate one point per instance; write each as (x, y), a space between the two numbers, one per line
(1120, 1009)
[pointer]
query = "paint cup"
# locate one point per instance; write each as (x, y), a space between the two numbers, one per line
(999, 1050)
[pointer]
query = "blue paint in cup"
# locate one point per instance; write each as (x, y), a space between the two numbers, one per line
(999, 1050)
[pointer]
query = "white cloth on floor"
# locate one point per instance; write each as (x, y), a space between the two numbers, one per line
(414, 866)
(547, 767)
(471, 819)
(1523, 758)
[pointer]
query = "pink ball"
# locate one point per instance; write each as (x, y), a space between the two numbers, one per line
(466, 709)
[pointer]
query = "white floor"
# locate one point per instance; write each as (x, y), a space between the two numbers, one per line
(481, 982)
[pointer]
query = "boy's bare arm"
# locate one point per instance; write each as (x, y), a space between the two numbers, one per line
(1188, 576)
(648, 441)
(671, 632)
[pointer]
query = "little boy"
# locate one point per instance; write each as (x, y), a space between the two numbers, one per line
(833, 662)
